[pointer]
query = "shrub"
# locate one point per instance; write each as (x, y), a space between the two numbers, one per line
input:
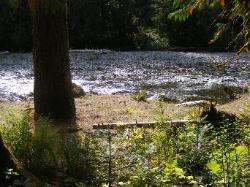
(213, 152)
(17, 135)
(210, 153)
(140, 96)
(34, 148)
(45, 152)
(45, 148)
(79, 157)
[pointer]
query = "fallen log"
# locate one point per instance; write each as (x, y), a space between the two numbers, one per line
(4, 52)
(139, 124)
(200, 103)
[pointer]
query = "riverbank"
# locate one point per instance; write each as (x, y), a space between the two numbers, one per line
(93, 109)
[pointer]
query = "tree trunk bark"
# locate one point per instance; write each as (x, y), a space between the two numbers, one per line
(53, 96)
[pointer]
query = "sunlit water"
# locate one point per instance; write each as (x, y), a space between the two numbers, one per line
(175, 75)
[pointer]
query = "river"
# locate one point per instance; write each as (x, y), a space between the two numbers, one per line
(177, 76)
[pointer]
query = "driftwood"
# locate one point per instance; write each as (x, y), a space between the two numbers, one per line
(97, 126)
(4, 52)
(200, 103)
(139, 124)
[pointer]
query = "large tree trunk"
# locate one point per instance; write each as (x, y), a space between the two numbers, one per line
(53, 89)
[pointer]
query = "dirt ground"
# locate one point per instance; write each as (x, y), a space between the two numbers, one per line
(93, 109)
(112, 108)
(237, 106)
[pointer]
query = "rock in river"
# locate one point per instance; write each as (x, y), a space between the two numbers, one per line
(78, 90)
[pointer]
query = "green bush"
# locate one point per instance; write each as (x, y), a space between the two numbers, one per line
(148, 38)
(34, 148)
(17, 135)
(140, 96)
(190, 154)
(213, 152)
(44, 151)
(45, 148)
(79, 155)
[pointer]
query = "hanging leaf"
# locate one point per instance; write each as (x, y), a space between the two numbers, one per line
(179, 15)
(190, 9)
(214, 167)
(13, 4)
(222, 2)
(176, 3)
(241, 150)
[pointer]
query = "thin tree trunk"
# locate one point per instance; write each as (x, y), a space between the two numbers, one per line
(5, 162)
(8, 161)
(53, 96)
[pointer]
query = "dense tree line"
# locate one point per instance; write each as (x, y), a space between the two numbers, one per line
(15, 28)
(117, 24)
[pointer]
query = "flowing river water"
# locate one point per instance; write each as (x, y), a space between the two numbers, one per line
(177, 76)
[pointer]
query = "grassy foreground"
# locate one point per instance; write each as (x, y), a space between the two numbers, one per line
(213, 151)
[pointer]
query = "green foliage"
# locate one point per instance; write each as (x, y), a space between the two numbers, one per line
(13, 4)
(45, 152)
(34, 148)
(115, 24)
(152, 157)
(45, 148)
(179, 15)
(18, 136)
(213, 166)
(148, 38)
(182, 155)
(79, 154)
(228, 165)
(208, 153)
(140, 95)
(231, 12)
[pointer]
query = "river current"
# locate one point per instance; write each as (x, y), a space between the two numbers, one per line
(173, 75)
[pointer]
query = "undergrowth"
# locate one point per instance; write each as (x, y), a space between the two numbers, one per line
(140, 95)
(46, 153)
(215, 151)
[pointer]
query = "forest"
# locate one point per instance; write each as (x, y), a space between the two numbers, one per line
(122, 25)
(124, 93)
